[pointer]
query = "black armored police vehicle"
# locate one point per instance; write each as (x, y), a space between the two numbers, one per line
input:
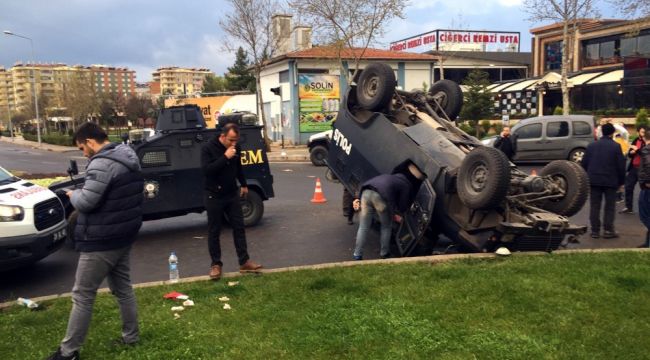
(472, 194)
(171, 165)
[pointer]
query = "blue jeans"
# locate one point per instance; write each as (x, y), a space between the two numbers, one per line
(644, 211)
(372, 204)
(92, 269)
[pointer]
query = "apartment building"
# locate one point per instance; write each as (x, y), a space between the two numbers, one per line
(52, 81)
(178, 81)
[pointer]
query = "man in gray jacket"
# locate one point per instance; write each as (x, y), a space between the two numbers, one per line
(109, 218)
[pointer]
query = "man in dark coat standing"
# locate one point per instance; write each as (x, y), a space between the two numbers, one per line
(222, 169)
(633, 169)
(605, 165)
(109, 218)
(506, 143)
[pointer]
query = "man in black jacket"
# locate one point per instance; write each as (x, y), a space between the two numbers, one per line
(506, 143)
(109, 218)
(633, 169)
(221, 170)
(605, 165)
(383, 196)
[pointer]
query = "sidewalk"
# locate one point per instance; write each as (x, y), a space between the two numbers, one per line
(293, 153)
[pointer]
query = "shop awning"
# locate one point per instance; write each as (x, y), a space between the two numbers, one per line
(521, 85)
(613, 76)
(583, 78)
(498, 88)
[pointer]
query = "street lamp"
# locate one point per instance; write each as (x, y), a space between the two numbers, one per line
(38, 120)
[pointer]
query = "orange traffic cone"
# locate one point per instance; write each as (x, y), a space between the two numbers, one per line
(318, 194)
(533, 172)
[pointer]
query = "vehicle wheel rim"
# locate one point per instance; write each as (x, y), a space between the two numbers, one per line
(560, 182)
(478, 177)
(371, 86)
(246, 208)
(577, 156)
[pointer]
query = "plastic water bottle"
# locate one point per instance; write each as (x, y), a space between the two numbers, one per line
(173, 268)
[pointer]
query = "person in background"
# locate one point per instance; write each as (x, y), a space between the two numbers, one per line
(384, 196)
(644, 183)
(605, 166)
(221, 170)
(110, 216)
(506, 143)
(633, 168)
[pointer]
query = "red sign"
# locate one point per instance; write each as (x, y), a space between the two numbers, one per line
(447, 39)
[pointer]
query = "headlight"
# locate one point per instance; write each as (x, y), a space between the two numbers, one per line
(11, 213)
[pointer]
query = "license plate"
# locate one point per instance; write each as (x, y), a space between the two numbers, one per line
(59, 235)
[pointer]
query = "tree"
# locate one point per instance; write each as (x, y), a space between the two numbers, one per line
(478, 103)
(642, 117)
(632, 8)
(349, 24)
(249, 22)
(78, 97)
(138, 107)
(568, 13)
(239, 76)
(213, 83)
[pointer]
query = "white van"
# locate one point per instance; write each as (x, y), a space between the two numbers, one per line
(32, 222)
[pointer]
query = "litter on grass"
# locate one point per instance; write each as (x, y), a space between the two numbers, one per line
(233, 283)
(175, 296)
(177, 308)
(224, 298)
(177, 316)
(226, 307)
(188, 303)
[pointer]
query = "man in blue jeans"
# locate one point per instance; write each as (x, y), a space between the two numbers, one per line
(109, 218)
(644, 182)
(381, 196)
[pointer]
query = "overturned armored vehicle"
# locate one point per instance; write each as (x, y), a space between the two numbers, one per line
(171, 165)
(472, 195)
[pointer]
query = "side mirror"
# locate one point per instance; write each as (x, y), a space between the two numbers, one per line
(73, 169)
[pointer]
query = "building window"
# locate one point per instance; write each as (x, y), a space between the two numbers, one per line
(607, 51)
(643, 45)
(553, 56)
(628, 46)
(284, 76)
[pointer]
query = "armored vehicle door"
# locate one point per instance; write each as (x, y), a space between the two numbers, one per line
(416, 220)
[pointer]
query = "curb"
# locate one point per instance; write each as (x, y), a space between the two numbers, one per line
(432, 259)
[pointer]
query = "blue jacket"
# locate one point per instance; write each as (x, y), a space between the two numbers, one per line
(604, 163)
(109, 204)
(395, 189)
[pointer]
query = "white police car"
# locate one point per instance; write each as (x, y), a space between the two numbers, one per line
(32, 222)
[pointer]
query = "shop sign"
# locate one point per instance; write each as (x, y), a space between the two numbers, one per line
(319, 97)
(446, 39)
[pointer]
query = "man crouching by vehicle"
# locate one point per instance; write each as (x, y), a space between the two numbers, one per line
(110, 216)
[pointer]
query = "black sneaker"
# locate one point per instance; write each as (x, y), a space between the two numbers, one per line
(58, 356)
(595, 235)
(626, 211)
(610, 235)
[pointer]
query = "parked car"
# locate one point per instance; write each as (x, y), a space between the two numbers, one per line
(171, 165)
(554, 137)
(472, 194)
(318, 145)
(32, 222)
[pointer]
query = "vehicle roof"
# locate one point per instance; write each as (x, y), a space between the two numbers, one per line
(588, 118)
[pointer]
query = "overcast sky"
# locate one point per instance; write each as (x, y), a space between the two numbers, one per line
(144, 34)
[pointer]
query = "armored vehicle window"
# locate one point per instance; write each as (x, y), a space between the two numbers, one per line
(532, 131)
(155, 158)
(190, 115)
(581, 128)
(557, 129)
(177, 117)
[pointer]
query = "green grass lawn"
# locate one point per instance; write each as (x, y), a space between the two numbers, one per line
(574, 306)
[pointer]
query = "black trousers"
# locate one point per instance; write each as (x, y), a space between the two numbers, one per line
(595, 197)
(630, 183)
(348, 210)
(216, 207)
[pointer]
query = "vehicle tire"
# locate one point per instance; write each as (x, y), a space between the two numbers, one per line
(449, 96)
(575, 182)
(252, 208)
(317, 155)
(576, 155)
(483, 178)
(72, 223)
(376, 87)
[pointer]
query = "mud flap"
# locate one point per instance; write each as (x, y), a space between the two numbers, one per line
(416, 220)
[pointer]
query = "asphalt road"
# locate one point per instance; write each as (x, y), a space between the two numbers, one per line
(292, 232)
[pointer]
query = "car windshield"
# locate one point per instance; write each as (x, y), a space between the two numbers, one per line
(6, 177)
